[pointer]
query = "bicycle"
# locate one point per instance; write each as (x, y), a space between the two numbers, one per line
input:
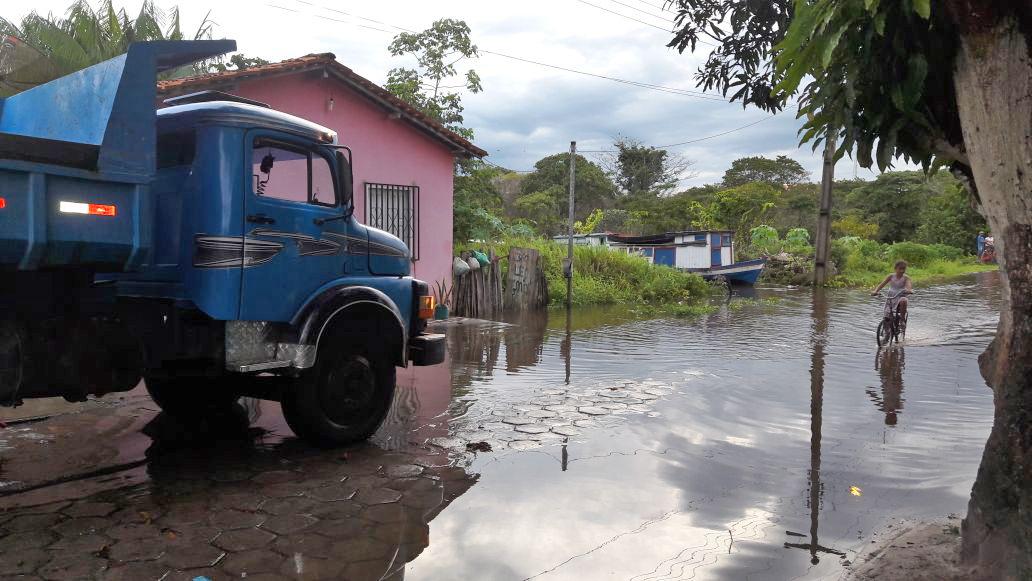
(893, 325)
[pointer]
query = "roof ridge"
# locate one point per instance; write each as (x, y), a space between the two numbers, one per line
(302, 63)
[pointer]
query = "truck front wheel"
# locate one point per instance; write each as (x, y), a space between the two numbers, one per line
(343, 399)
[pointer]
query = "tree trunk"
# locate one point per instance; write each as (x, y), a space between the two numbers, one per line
(993, 81)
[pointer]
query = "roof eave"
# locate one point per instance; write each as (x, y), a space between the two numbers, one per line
(458, 148)
(330, 65)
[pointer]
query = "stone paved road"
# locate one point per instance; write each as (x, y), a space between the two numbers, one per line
(115, 490)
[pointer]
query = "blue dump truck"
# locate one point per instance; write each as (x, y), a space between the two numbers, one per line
(208, 247)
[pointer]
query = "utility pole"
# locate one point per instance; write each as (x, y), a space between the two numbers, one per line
(568, 267)
(820, 270)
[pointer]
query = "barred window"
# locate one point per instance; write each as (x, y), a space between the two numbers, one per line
(394, 209)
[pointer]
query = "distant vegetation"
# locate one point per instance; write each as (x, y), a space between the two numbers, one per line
(604, 277)
(770, 203)
(867, 262)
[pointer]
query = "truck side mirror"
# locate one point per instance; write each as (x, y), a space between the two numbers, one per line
(347, 178)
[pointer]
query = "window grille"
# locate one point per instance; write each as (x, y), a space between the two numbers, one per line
(394, 209)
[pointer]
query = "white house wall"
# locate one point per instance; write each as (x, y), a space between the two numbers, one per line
(693, 257)
(725, 256)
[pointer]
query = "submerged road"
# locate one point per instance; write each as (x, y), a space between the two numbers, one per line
(770, 440)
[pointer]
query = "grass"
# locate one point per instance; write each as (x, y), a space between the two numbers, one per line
(604, 277)
(870, 274)
(865, 263)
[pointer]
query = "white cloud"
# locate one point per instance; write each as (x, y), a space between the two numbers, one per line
(526, 111)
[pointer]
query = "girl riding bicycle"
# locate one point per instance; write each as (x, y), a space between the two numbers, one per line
(898, 282)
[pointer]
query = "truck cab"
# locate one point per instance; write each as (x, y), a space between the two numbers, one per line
(221, 258)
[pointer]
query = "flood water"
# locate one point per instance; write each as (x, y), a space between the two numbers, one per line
(769, 440)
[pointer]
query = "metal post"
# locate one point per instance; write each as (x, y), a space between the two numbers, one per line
(820, 270)
(568, 267)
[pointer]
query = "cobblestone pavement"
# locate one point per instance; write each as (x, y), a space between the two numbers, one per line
(118, 491)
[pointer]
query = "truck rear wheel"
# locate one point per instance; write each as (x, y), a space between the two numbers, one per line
(186, 395)
(343, 399)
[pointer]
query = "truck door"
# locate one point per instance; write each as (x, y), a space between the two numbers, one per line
(289, 250)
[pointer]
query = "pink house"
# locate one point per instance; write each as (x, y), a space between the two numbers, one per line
(403, 160)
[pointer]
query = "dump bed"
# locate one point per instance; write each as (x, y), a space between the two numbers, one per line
(77, 156)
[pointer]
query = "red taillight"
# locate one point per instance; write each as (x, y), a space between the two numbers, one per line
(426, 307)
(102, 210)
(3, 203)
(90, 209)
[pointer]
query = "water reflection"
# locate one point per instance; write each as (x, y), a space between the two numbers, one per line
(687, 436)
(889, 363)
(815, 497)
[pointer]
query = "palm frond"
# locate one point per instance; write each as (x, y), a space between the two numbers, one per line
(205, 28)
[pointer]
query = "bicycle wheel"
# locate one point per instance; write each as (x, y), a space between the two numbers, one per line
(901, 333)
(884, 333)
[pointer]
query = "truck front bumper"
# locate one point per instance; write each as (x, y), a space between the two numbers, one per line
(427, 349)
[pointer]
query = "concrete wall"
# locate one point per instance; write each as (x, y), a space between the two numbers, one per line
(386, 151)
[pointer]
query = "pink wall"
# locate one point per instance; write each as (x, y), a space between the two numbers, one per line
(386, 151)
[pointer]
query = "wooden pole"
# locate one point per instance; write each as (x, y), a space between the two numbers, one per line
(568, 270)
(820, 270)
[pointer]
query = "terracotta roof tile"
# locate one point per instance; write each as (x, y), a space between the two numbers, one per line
(328, 61)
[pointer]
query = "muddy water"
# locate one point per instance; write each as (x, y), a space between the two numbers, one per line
(769, 440)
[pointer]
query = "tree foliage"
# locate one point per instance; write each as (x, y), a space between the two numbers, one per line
(236, 62)
(853, 226)
(40, 49)
(894, 201)
(950, 219)
(744, 207)
(744, 35)
(640, 170)
(429, 87)
(478, 208)
(545, 191)
(894, 98)
(781, 171)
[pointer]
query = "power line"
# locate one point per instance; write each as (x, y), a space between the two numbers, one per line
(661, 88)
(330, 18)
(649, 86)
(667, 30)
(661, 7)
(746, 126)
(716, 134)
(636, 9)
(624, 16)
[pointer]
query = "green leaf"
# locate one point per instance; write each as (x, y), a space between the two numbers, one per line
(913, 85)
(923, 8)
(897, 97)
(830, 43)
(879, 23)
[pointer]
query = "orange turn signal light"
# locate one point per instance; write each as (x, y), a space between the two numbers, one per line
(426, 307)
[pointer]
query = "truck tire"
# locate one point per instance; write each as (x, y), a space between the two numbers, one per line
(343, 398)
(187, 396)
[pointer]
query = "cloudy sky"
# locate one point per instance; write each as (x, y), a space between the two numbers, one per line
(526, 111)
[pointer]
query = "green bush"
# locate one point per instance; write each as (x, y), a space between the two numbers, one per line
(763, 235)
(915, 254)
(798, 235)
(605, 276)
(946, 252)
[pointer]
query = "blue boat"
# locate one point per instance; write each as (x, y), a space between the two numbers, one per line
(745, 272)
(709, 253)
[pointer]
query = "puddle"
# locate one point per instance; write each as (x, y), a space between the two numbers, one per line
(762, 441)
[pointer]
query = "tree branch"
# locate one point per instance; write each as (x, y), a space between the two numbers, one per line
(944, 148)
